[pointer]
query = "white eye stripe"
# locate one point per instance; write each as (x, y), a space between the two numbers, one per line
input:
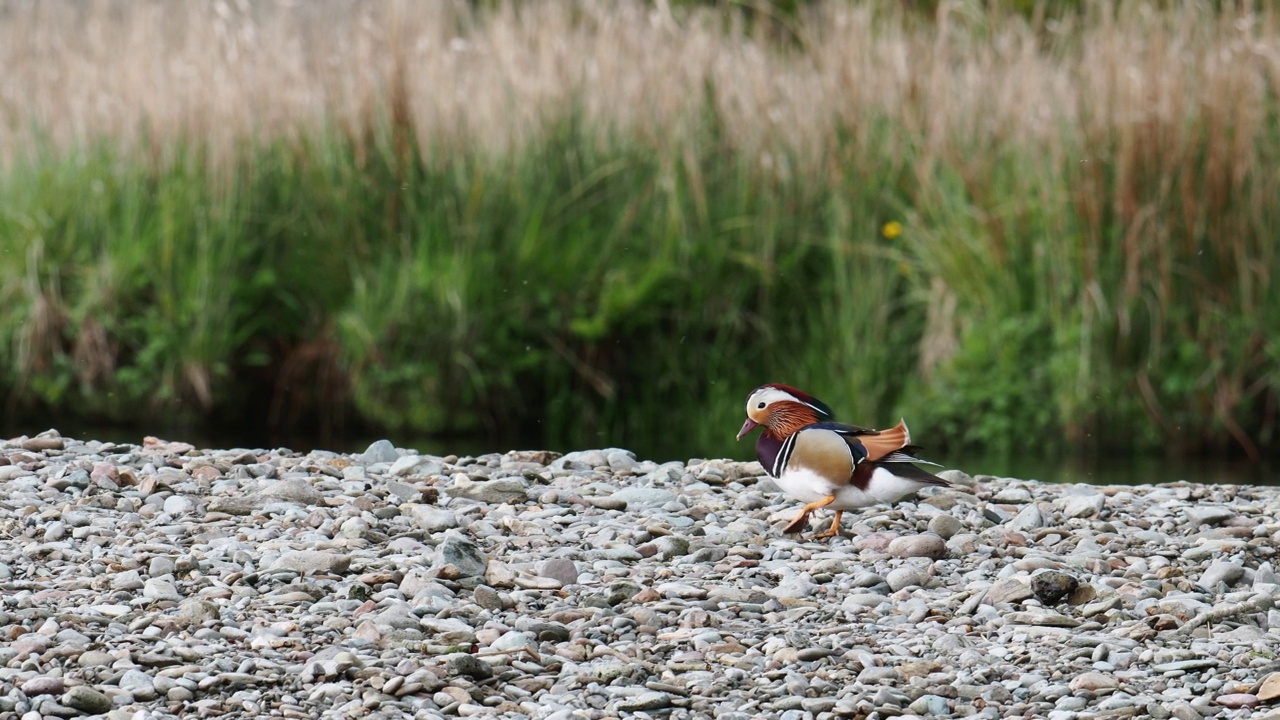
(815, 408)
(769, 395)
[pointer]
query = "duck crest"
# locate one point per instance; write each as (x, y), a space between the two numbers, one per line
(787, 418)
(804, 398)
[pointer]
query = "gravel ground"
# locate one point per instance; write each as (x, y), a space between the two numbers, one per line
(162, 580)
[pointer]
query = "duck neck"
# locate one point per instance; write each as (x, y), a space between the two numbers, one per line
(767, 448)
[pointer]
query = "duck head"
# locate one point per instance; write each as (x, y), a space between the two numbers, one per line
(781, 410)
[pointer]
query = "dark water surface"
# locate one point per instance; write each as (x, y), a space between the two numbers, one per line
(1121, 471)
(1109, 471)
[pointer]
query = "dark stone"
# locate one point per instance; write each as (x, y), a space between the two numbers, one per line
(464, 554)
(813, 653)
(621, 592)
(468, 665)
(709, 555)
(550, 632)
(487, 598)
(86, 700)
(1053, 586)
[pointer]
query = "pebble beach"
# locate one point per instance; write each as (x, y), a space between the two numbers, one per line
(161, 580)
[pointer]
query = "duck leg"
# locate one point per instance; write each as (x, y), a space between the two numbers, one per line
(833, 530)
(798, 524)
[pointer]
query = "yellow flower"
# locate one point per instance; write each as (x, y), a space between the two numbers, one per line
(892, 229)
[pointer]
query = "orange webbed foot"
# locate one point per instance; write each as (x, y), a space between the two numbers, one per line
(798, 524)
(832, 531)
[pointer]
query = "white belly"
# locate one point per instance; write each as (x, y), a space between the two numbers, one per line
(807, 486)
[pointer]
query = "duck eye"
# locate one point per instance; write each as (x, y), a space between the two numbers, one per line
(760, 406)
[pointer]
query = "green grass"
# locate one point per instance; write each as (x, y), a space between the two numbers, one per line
(1076, 272)
(571, 294)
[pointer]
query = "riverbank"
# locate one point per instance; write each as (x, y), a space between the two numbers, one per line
(388, 584)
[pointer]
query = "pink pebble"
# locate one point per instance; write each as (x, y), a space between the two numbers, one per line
(104, 471)
(1238, 700)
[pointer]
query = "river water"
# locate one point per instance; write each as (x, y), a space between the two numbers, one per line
(1121, 471)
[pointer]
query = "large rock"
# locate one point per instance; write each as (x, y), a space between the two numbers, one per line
(126, 580)
(1220, 571)
(235, 504)
(1029, 518)
(1010, 590)
(1269, 691)
(86, 700)
(406, 464)
(294, 490)
(430, 518)
(1053, 586)
(793, 587)
(1041, 618)
(197, 611)
(161, 588)
(138, 684)
(1095, 682)
(381, 451)
(307, 562)
(43, 685)
(906, 576)
(515, 641)
(450, 631)
(176, 505)
(48, 440)
(945, 526)
(957, 477)
(640, 496)
(465, 665)
(665, 547)
(1210, 514)
(582, 460)
(462, 553)
(925, 545)
(1083, 505)
(561, 569)
(493, 492)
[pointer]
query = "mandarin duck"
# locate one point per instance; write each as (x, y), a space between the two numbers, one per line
(830, 464)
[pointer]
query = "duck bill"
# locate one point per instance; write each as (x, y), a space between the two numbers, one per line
(747, 427)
